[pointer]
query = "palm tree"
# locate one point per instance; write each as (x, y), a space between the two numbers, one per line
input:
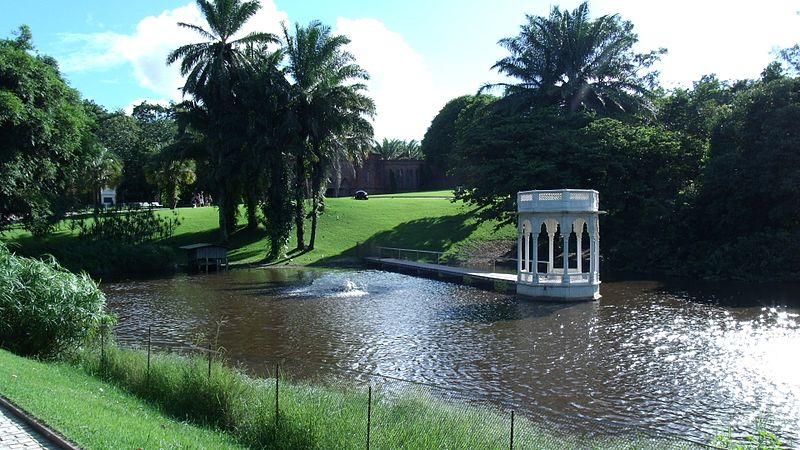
(569, 60)
(103, 168)
(329, 106)
(389, 149)
(349, 136)
(211, 69)
(412, 150)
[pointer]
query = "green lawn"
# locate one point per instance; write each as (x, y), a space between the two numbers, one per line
(95, 414)
(443, 193)
(420, 220)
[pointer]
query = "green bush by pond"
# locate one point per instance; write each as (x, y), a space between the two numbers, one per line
(45, 309)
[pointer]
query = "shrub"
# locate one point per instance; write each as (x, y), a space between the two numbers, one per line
(134, 226)
(44, 309)
(115, 259)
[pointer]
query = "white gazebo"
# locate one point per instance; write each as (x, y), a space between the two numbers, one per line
(572, 215)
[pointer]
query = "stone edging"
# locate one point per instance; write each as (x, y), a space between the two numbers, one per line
(54, 437)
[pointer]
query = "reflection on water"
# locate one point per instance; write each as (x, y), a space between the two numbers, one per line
(660, 359)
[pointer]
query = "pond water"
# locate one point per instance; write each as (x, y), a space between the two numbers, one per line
(663, 359)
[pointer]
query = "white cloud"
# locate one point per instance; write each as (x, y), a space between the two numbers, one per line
(710, 36)
(402, 86)
(146, 49)
(405, 94)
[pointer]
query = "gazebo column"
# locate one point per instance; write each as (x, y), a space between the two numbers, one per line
(579, 244)
(521, 260)
(565, 232)
(551, 236)
(594, 246)
(527, 250)
(535, 241)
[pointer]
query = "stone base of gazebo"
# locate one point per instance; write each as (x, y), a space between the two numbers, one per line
(560, 292)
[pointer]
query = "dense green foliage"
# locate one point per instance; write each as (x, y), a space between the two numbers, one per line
(439, 140)
(43, 146)
(746, 214)
(267, 125)
(701, 182)
(44, 309)
(213, 69)
(704, 177)
(132, 226)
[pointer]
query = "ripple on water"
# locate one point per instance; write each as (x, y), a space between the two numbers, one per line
(644, 357)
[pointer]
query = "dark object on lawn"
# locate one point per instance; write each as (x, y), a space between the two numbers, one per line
(361, 195)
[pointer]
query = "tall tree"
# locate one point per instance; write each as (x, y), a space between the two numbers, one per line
(330, 108)
(42, 131)
(570, 60)
(103, 169)
(211, 69)
(437, 144)
(271, 130)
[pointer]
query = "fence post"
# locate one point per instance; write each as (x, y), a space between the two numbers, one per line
(149, 344)
(209, 360)
(369, 413)
(103, 347)
(277, 377)
(512, 430)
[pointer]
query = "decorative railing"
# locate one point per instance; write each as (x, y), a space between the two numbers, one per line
(552, 278)
(564, 200)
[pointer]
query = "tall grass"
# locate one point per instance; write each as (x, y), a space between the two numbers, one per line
(45, 309)
(94, 414)
(323, 415)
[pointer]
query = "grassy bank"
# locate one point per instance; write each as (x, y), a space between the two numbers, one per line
(427, 220)
(95, 414)
(327, 414)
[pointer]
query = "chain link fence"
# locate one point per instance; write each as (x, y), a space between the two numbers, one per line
(308, 402)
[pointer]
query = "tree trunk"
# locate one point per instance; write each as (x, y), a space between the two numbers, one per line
(252, 208)
(300, 207)
(314, 207)
(223, 221)
(316, 195)
(97, 199)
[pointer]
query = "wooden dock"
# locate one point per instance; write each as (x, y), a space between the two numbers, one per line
(503, 282)
(204, 256)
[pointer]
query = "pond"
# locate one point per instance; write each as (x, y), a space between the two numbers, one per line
(657, 358)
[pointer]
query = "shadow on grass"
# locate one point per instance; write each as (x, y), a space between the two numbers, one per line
(289, 256)
(433, 234)
(112, 259)
(238, 240)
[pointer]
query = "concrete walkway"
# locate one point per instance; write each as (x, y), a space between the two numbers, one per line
(476, 274)
(17, 435)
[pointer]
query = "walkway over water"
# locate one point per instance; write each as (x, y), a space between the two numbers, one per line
(509, 280)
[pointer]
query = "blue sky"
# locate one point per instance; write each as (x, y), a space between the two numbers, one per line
(420, 53)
